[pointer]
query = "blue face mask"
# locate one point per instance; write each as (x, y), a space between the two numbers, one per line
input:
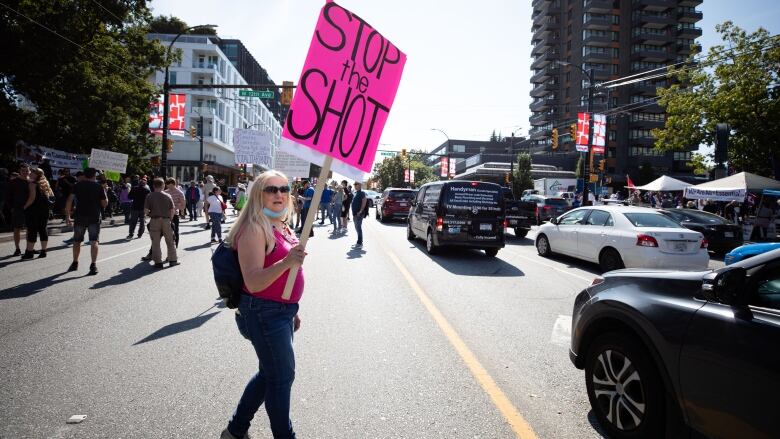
(272, 214)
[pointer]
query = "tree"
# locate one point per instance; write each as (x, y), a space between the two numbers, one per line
(646, 173)
(174, 25)
(701, 164)
(737, 83)
(390, 171)
(522, 177)
(91, 88)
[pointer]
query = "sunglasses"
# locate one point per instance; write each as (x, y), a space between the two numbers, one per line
(275, 189)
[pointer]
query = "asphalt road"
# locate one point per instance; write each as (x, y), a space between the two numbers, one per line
(393, 344)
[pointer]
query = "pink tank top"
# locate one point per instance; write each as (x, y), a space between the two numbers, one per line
(274, 291)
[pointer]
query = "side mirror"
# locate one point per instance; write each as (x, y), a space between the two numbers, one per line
(554, 220)
(725, 286)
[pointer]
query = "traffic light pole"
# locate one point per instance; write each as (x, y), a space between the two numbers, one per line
(586, 171)
(200, 163)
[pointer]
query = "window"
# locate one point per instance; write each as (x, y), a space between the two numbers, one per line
(767, 288)
(640, 134)
(612, 135)
(647, 151)
(599, 218)
(650, 220)
(574, 217)
(172, 77)
(682, 156)
(432, 194)
(647, 48)
(458, 148)
(648, 117)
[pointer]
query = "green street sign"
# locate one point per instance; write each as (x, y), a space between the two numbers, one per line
(387, 153)
(264, 94)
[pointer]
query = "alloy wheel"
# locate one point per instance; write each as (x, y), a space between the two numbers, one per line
(619, 390)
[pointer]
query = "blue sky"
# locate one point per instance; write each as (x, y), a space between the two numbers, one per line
(468, 68)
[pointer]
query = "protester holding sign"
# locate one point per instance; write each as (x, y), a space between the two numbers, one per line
(263, 316)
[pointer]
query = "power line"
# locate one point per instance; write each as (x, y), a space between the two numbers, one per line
(104, 8)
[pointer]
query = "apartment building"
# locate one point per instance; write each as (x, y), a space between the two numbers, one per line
(614, 39)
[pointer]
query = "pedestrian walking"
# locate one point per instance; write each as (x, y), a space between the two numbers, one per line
(36, 213)
(172, 189)
(241, 199)
(359, 211)
(125, 202)
(192, 196)
(161, 208)
(138, 194)
(308, 194)
(336, 206)
(298, 200)
(325, 210)
(264, 316)
(202, 202)
(345, 205)
(209, 188)
(62, 189)
(19, 192)
(215, 208)
(90, 199)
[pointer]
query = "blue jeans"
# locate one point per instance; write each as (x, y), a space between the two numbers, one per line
(335, 213)
(358, 220)
(192, 208)
(269, 326)
(216, 224)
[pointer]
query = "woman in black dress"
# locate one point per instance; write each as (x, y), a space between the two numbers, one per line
(36, 213)
(345, 205)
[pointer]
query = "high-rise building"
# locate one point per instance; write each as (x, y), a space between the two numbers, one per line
(614, 39)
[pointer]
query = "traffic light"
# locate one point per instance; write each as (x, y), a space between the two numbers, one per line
(193, 131)
(555, 138)
(204, 167)
(403, 153)
(573, 132)
(602, 165)
(506, 178)
(287, 92)
(169, 146)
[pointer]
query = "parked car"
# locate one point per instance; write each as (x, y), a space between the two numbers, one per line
(748, 251)
(547, 207)
(372, 197)
(394, 203)
(682, 353)
(519, 215)
(722, 235)
(458, 213)
(623, 236)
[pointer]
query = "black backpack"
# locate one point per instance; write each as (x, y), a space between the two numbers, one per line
(227, 275)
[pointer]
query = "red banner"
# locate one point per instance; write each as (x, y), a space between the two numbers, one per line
(176, 109)
(444, 167)
(583, 121)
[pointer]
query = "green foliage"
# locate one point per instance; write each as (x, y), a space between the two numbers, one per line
(522, 177)
(741, 90)
(701, 164)
(91, 91)
(390, 171)
(646, 173)
(174, 25)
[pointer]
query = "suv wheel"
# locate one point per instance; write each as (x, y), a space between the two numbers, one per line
(520, 233)
(624, 388)
(491, 252)
(610, 260)
(409, 233)
(430, 246)
(543, 246)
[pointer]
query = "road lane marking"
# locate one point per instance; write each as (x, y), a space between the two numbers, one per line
(118, 255)
(561, 333)
(516, 421)
(588, 280)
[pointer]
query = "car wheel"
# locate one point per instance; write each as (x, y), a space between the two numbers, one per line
(430, 246)
(543, 246)
(624, 388)
(610, 260)
(409, 233)
(520, 233)
(491, 252)
(376, 213)
(382, 218)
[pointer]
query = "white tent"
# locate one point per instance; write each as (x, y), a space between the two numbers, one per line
(733, 187)
(664, 183)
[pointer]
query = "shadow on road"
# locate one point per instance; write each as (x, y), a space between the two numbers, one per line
(126, 275)
(570, 262)
(178, 327)
(198, 247)
(33, 287)
(471, 262)
(199, 229)
(355, 252)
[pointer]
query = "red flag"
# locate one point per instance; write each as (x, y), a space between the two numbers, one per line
(629, 184)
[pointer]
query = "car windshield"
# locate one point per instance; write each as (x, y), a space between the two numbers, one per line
(556, 202)
(702, 217)
(651, 220)
(401, 195)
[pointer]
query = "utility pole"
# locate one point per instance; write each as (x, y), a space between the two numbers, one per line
(200, 137)
(586, 173)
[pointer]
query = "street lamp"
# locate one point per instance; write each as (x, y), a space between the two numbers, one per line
(449, 171)
(585, 169)
(166, 85)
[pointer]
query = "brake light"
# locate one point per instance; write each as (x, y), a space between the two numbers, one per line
(547, 207)
(704, 243)
(439, 224)
(646, 241)
(596, 281)
(474, 184)
(506, 223)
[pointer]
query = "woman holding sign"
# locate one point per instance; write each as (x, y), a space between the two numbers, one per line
(267, 249)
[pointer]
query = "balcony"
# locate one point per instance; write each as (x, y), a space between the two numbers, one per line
(688, 32)
(548, 103)
(541, 119)
(545, 73)
(603, 22)
(685, 48)
(539, 3)
(597, 57)
(597, 40)
(689, 15)
(644, 88)
(544, 28)
(690, 3)
(598, 6)
(207, 66)
(650, 55)
(654, 21)
(544, 89)
(539, 132)
(544, 59)
(552, 10)
(653, 5)
(645, 125)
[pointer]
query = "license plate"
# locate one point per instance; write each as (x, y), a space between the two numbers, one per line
(512, 222)
(728, 234)
(454, 229)
(403, 204)
(680, 246)
(485, 227)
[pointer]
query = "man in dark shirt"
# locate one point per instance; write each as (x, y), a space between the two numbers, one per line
(18, 191)
(359, 209)
(90, 201)
(138, 194)
(63, 188)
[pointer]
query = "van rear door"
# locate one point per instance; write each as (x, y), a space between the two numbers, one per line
(478, 206)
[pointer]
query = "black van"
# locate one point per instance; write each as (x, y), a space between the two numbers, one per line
(458, 213)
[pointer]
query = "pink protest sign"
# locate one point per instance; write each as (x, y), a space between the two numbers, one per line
(346, 89)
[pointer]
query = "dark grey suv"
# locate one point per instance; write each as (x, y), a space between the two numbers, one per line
(681, 353)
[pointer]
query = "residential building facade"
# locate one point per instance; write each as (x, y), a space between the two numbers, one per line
(204, 62)
(613, 39)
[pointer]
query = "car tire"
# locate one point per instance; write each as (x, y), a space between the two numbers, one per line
(382, 218)
(430, 246)
(520, 233)
(543, 246)
(409, 233)
(624, 387)
(491, 252)
(376, 213)
(610, 259)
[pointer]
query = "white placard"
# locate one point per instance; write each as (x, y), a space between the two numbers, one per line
(715, 194)
(291, 166)
(252, 146)
(108, 160)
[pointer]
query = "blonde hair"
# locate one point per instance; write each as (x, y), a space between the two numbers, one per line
(43, 183)
(252, 214)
